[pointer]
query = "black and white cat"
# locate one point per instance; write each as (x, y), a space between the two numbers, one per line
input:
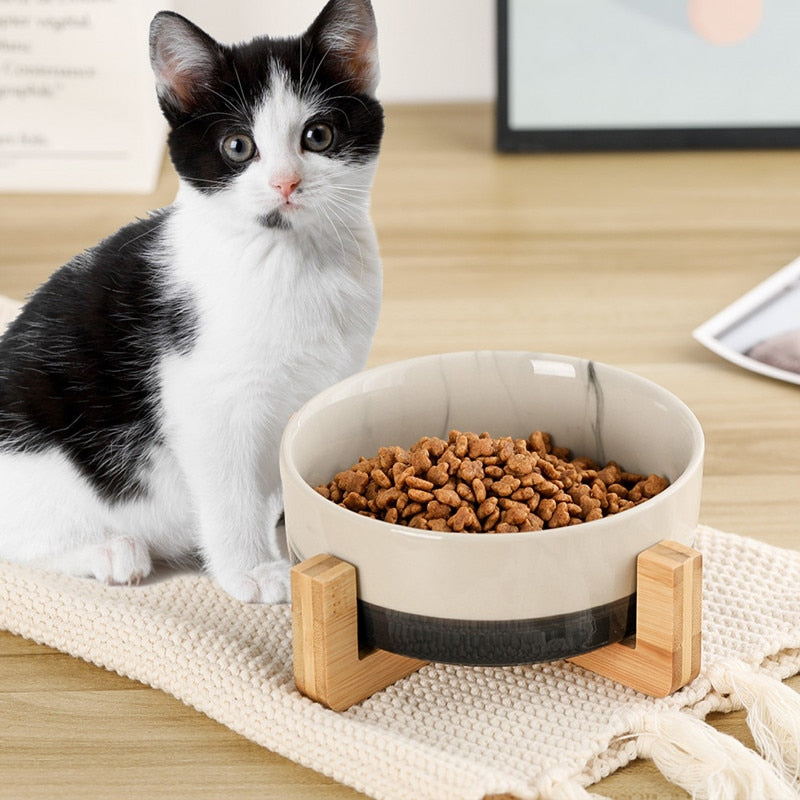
(144, 388)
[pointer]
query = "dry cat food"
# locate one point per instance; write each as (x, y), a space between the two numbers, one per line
(473, 483)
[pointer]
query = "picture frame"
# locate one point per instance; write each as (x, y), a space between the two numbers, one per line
(645, 74)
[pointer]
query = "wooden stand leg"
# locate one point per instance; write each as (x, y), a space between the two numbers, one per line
(667, 649)
(328, 667)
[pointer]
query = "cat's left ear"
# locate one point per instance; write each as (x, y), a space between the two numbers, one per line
(185, 60)
(345, 32)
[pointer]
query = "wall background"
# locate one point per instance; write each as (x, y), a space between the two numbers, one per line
(430, 50)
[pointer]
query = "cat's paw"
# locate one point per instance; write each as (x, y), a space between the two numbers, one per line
(123, 560)
(267, 583)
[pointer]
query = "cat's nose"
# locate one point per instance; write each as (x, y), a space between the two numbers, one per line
(286, 184)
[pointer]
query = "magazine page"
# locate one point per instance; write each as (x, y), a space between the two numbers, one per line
(761, 330)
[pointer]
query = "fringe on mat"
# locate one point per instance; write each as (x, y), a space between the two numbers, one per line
(711, 765)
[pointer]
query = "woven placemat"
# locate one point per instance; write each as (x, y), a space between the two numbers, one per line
(541, 731)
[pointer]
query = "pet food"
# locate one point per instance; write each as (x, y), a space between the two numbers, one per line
(474, 483)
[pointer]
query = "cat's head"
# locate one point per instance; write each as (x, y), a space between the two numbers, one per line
(283, 133)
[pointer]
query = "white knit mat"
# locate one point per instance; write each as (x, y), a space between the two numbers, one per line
(543, 731)
(446, 733)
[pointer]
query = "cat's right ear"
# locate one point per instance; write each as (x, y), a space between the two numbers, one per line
(185, 61)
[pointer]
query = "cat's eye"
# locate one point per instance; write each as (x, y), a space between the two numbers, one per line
(238, 148)
(317, 137)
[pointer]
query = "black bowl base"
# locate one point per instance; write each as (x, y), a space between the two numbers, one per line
(495, 643)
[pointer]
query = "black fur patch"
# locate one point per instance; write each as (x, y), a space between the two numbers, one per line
(229, 103)
(275, 220)
(77, 367)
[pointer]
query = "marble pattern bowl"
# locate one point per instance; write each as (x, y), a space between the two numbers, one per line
(493, 599)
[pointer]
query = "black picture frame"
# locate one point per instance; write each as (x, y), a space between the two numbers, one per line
(534, 139)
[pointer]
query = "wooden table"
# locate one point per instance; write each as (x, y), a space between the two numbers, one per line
(616, 257)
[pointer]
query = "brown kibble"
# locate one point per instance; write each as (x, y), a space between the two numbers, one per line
(505, 449)
(464, 518)
(505, 527)
(546, 508)
(654, 485)
(487, 507)
(449, 458)
(355, 501)
(447, 496)
(520, 464)
(539, 442)
(438, 475)
(380, 478)
(560, 517)
(533, 523)
(387, 497)
(469, 470)
(473, 482)
(400, 472)
(505, 486)
(437, 510)
(413, 482)
(464, 491)
(481, 446)
(410, 509)
(610, 474)
(516, 514)
(435, 446)
(352, 481)
(420, 460)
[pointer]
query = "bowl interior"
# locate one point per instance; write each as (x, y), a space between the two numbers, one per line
(595, 410)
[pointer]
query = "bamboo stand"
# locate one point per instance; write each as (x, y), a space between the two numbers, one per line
(330, 668)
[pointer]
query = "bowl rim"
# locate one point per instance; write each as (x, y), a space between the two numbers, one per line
(319, 401)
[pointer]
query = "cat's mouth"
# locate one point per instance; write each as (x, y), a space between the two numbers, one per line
(275, 220)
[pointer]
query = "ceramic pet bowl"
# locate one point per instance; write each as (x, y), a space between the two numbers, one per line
(493, 599)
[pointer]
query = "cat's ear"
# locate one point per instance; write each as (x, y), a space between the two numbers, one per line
(345, 32)
(185, 61)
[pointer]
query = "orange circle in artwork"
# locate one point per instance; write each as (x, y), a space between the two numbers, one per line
(725, 22)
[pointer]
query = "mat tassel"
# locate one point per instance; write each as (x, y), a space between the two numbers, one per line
(709, 765)
(773, 714)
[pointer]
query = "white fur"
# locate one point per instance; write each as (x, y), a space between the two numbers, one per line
(281, 315)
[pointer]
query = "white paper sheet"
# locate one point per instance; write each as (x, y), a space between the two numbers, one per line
(78, 108)
(769, 310)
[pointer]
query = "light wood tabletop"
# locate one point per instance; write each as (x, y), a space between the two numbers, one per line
(616, 257)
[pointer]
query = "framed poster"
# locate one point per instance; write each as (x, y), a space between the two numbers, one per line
(78, 107)
(639, 74)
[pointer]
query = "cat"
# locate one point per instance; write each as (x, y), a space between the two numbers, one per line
(145, 386)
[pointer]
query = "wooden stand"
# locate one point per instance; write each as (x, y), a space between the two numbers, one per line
(330, 668)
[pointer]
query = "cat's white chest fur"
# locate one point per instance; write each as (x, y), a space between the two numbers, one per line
(280, 315)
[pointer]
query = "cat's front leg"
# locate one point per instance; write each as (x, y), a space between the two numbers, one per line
(230, 463)
(238, 517)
